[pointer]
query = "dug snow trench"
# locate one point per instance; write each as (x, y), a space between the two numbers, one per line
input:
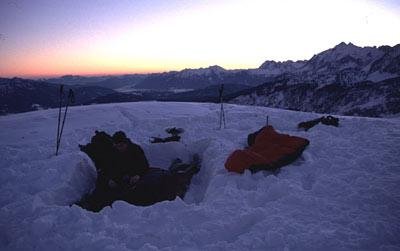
(342, 193)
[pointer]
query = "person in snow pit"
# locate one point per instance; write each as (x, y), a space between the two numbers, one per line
(123, 173)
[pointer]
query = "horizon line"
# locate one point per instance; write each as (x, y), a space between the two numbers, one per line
(122, 73)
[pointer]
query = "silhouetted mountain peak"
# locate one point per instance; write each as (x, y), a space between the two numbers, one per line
(343, 45)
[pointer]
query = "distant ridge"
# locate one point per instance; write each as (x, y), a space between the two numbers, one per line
(23, 95)
(345, 79)
(344, 63)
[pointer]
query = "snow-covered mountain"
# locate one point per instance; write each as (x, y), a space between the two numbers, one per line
(346, 79)
(272, 68)
(341, 194)
(345, 63)
(209, 71)
(365, 98)
(199, 78)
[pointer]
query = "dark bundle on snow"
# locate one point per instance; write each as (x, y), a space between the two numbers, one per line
(174, 136)
(328, 120)
(174, 131)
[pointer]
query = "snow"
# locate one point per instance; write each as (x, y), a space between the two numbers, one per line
(342, 194)
(380, 76)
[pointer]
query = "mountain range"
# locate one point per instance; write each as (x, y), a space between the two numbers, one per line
(345, 79)
(345, 63)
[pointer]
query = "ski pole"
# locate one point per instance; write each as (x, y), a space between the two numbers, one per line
(59, 116)
(222, 112)
(71, 98)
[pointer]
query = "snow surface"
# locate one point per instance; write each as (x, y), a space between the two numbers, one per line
(342, 194)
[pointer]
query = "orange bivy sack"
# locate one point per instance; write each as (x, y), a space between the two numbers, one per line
(270, 150)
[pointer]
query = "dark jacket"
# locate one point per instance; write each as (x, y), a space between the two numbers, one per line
(156, 185)
(130, 162)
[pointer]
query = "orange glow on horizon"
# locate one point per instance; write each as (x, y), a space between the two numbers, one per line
(234, 34)
(48, 72)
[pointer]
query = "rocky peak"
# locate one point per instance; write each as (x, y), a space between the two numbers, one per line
(214, 69)
(276, 68)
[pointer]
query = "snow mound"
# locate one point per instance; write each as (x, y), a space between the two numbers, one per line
(342, 193)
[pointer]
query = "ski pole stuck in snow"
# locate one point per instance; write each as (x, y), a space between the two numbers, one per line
(59, 116)
(70, 99)
(222, 112)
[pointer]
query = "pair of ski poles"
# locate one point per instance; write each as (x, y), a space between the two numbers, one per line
(70, 99)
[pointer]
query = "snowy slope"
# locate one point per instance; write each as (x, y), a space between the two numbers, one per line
(342, 194)
(366, 98)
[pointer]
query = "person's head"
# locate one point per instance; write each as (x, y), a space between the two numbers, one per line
(119, 136)
(120, 141)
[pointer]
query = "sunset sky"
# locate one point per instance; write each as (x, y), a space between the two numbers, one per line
(40, 38)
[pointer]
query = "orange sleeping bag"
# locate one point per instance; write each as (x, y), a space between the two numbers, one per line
(269, 151)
